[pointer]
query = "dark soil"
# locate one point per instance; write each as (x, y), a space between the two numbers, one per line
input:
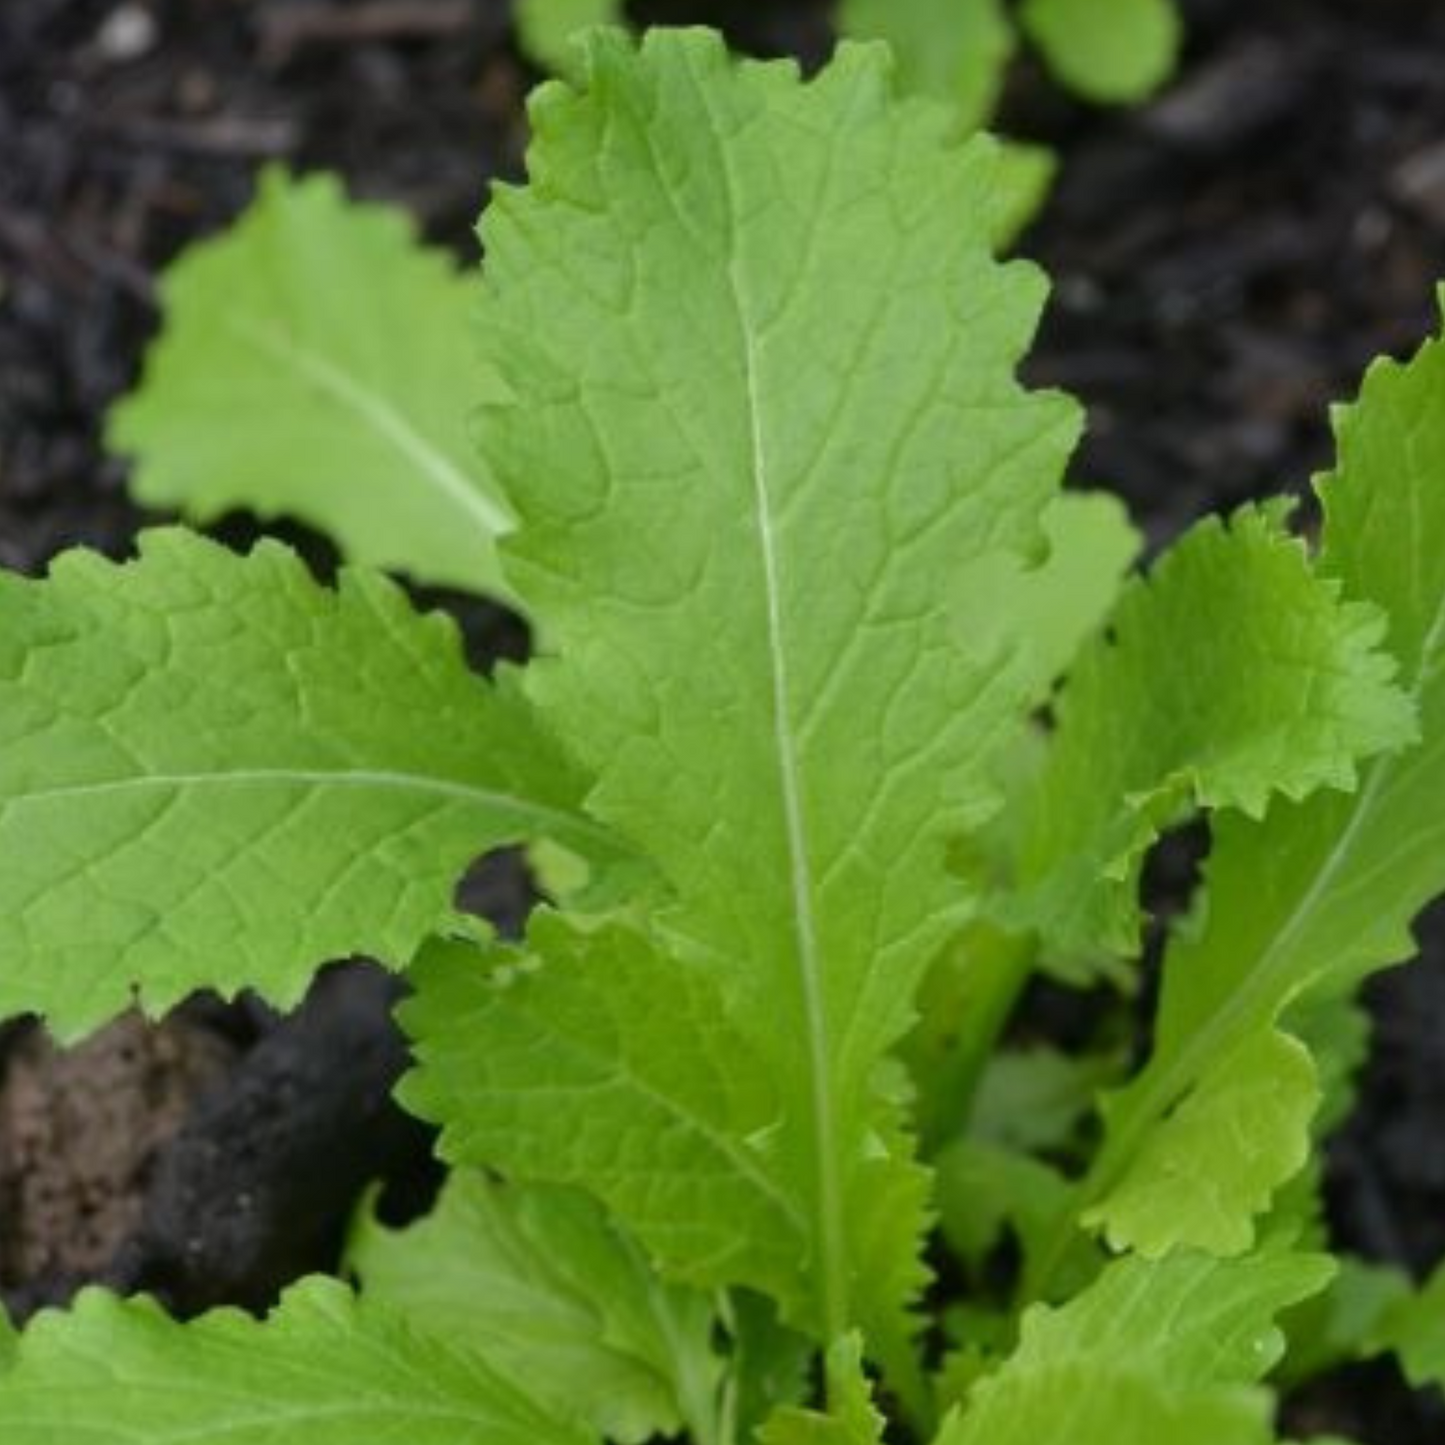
(79, 1131)
(1227, 260)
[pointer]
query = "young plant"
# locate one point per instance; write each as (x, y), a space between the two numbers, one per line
(803, 578)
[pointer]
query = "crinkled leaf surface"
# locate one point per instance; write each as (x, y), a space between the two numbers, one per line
(595, 1059)
(317, 362)
(1317, 894)
(766, 411)
(319, 1369)
(538, 1281)
(956, 53)
(1229, 673)
(546, 28)
(1149, 1352)
(216, 773)
(1111, 51)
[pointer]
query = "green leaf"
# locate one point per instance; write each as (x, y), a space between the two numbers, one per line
(1414, 1328)
(1116, 52)
(1319, 893)
(111, 1372)
(981, 1189)
(1149, 1352)
(1037, 1098)
(1231, 672)
(1218, 1158)
(766, 412)
(316, 362)
(546, 29)
(771, 1366)
(217, 773)
(1054, 607)
(646, 1093)
(1345, 1323)
(1335, 1028)
(852, 1418)
(957, 53)
(1028, 175)
(1057, 605)
(555, 1298)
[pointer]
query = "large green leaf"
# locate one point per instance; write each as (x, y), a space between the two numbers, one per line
(316, 362)
(1149, 1352)
(216, 773)
(766, 415)
(320, 1369)
(556, 1298)
(1229, 673)
(1319, 893)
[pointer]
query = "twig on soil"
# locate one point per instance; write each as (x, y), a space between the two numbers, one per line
(222, 135)
(283, 30)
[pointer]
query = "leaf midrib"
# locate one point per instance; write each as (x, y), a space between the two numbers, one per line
(375, 412)
(828, 1204)
(381, 779)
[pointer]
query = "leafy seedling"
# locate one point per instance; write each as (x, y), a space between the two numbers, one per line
(845, 721)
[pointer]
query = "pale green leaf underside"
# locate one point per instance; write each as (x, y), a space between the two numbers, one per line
(316, 362)
(319, 1370)
(957, 53)
(1323, 892)
(1111, 51)
(216, 773)
(1231, 672)
(1150, 1352)
(767, 411)
(546, 28)
(554, 1297)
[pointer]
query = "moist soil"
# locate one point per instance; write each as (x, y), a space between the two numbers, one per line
(1227, 259)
